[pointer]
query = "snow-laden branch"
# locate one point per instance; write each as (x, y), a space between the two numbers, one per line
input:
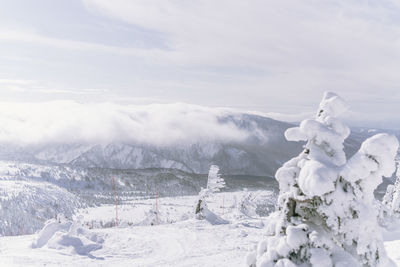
(326, 214)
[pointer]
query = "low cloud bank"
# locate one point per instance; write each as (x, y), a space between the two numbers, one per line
(155, 124)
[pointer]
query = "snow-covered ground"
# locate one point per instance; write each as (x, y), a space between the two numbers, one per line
(393, 250)
(178, 239)
(173, 209)
(188, 243)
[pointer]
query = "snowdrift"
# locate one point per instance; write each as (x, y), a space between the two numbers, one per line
(62, 234)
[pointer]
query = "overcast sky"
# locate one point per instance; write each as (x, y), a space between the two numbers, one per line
(269, 56)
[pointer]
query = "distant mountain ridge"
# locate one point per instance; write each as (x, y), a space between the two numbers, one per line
(260, 154)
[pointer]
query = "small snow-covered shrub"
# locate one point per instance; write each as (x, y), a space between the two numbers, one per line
(247, 205)
(326, 212)
(152, 217)
(254, 204)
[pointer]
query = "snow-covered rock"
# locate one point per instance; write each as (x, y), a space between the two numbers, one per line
(61, 234)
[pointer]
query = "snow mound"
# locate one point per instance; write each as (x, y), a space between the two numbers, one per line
(61, 234)
(213, 218)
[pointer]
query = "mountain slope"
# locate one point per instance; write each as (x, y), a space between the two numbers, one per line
(260, 153)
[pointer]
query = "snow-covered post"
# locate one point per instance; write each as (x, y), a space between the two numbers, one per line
(326, 214)
(115, 201)
(157, 204)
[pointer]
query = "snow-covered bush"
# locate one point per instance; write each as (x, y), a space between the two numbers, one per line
(326, 212)
(247, 204)
(152, 217)
(256, 204)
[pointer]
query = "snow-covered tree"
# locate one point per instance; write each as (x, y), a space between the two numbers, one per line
(201, 204)
(247, 204)
(214, 184)
(326, 211)
(391, 200)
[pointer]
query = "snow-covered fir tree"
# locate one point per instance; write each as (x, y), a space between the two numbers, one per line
(326, 212)
(214, 184)
(391, 200)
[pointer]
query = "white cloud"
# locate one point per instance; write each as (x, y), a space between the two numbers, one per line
(71, 122)
(284, 117)
(15, 81)
(32, 86)
(258, 54)
(286, 52)
(71, 91)
(32, 37)
(322, 34)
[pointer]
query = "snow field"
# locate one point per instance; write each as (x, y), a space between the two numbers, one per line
(170, 209)
(187, 243)
(179, 240)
